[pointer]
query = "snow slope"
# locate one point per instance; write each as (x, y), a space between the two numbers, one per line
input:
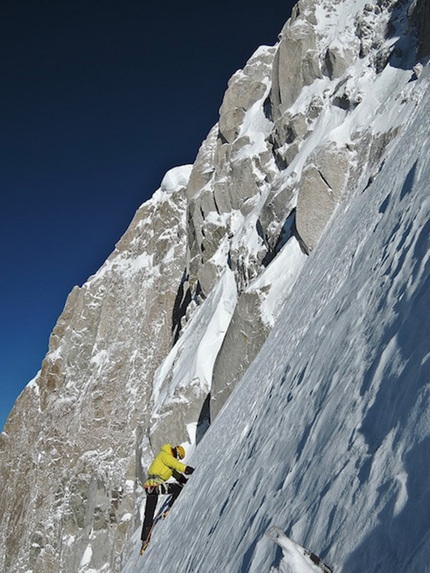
(328, 434)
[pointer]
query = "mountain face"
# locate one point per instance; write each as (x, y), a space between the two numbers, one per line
(287, 264)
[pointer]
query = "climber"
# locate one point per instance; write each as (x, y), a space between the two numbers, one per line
(165, 465)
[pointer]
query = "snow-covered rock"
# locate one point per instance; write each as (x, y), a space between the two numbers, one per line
(275, 292)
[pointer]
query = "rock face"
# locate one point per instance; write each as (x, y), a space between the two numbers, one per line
(420, 16)
(243, 340)
(149, 349)
(322, 187)
(297, 61)
(87, 412)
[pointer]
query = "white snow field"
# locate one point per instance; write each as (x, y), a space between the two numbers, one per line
(328, 434)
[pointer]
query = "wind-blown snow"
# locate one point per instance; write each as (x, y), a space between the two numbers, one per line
(193, 357)
(176, 177)
(328, 434)
(280, 276)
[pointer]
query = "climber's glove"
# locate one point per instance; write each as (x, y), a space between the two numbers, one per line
(181, 479)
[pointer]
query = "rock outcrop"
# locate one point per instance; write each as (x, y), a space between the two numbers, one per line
(420, 16)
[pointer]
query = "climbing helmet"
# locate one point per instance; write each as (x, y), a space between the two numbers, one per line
(179, 452)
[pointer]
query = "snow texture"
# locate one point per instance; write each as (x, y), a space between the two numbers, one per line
(328, 434)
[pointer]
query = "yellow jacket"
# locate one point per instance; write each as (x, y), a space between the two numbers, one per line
(165, 464)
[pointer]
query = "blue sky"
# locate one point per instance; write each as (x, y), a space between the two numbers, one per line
(99, 99)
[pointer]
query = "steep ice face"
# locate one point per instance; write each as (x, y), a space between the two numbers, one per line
(327, 435)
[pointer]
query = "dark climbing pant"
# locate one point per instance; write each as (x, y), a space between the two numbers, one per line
(173, 489)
